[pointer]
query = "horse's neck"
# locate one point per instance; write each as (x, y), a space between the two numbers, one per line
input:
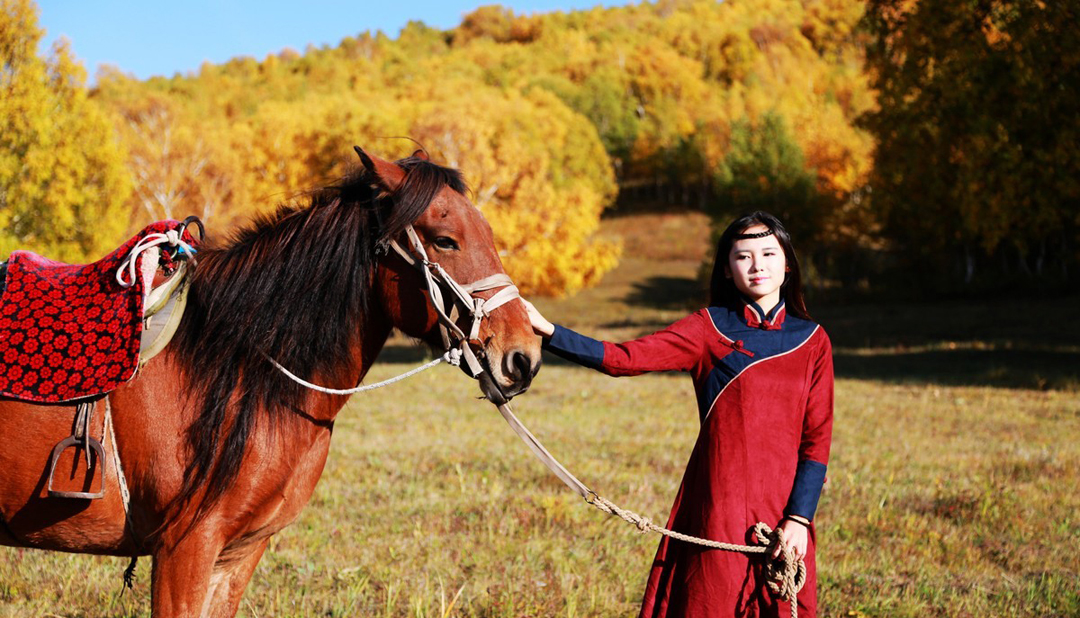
(324, 408)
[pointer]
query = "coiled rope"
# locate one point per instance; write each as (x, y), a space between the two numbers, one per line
(785, 576)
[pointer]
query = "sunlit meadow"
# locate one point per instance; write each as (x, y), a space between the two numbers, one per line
(951, 492)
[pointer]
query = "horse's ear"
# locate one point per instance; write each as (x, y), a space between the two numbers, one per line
(421, 154)
(389, 174)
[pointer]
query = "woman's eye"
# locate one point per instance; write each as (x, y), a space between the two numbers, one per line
(446, 243)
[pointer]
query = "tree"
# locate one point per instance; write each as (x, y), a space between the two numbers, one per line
(765, 170)
(538, 171)
(978, 161)
(62, 182)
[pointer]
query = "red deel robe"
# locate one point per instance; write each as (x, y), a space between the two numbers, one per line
(764, 386)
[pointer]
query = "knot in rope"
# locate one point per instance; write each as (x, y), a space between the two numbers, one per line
(786, 575)
(644, 524)
(453, 356)
(128, 266)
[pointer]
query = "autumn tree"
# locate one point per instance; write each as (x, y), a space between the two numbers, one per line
(544, 114)
(62, 184)
(539, 173)
(977, 167)
(765, 169)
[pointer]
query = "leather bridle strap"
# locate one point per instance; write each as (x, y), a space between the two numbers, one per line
(457, 297)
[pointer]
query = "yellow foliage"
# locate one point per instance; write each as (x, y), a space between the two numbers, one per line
(538, 172)
(62, 184)
(543, 114)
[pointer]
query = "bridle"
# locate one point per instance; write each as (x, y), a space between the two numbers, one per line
(451, 299)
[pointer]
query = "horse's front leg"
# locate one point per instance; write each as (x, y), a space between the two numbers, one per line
(230, 579)
(180, 584)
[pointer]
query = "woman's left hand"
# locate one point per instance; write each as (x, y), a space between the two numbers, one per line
(539, 323)
(796, 536)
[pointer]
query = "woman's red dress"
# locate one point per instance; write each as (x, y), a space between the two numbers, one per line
(764, 387)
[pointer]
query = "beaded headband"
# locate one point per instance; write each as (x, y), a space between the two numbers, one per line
(755, 235)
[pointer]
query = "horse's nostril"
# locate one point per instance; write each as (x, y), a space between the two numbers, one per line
(520, 366)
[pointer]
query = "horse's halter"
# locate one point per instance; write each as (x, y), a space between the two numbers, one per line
(460, 298)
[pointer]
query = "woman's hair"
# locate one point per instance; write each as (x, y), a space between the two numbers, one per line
(722, 291)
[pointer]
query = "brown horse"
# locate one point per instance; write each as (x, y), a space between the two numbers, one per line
(218, 448)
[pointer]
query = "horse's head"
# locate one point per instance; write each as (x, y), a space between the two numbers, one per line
(450, 232)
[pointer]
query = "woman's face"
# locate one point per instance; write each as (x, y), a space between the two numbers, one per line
(758, 267)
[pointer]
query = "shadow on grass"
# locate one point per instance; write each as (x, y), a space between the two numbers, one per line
(952, 343)
(1027, 369)
(402, 352)
(666, 292)
(943, 344)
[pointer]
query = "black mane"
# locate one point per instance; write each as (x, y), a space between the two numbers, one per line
(294, 284)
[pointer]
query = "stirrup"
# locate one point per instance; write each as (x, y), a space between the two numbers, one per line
(93, 450)
(98, 454)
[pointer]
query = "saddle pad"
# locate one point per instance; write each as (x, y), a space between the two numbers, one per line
(72, 331)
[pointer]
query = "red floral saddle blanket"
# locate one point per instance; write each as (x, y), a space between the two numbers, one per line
(68, 331)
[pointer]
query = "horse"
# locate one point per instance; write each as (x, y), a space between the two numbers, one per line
(219, 449)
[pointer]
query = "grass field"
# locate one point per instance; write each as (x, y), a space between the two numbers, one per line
(952, 491)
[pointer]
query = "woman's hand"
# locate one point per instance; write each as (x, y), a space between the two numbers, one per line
(540, 324)
(796, 536)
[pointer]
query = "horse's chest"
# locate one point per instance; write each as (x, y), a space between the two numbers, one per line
(279, 489)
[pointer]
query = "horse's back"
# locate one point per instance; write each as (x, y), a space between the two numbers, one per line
(29, 516)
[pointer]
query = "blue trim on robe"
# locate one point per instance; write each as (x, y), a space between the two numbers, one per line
(575, 347)
(762, 343)
(806, 490)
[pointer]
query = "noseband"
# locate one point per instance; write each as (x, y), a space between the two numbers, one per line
(451, 299)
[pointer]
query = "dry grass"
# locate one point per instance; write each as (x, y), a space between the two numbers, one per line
(952, 485)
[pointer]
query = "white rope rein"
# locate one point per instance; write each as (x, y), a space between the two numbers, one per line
(452, 357)
(785, 577)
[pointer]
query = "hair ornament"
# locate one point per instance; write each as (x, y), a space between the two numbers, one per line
(755, 235)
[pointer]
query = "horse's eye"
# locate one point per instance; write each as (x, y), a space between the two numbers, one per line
(446, 243)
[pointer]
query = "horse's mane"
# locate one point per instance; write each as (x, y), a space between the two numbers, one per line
(294, 284)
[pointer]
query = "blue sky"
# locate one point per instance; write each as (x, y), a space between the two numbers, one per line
(162, 37)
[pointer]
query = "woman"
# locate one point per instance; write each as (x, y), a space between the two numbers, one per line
(763, 375)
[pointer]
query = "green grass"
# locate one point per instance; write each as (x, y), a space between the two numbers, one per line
(952, 487)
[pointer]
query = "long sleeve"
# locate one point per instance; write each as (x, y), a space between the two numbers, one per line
(678, 347)
(816, 437)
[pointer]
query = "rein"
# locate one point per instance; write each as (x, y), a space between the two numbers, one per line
(785, 576)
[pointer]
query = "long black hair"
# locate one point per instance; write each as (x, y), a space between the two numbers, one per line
(722, 291)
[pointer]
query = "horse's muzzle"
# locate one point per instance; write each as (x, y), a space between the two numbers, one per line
(510, 377)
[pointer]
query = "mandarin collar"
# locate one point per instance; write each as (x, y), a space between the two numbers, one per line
(755, 316)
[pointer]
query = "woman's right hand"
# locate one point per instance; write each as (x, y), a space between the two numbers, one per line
(539, 323)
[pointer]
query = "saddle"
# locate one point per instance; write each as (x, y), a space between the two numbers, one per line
(71, 332)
